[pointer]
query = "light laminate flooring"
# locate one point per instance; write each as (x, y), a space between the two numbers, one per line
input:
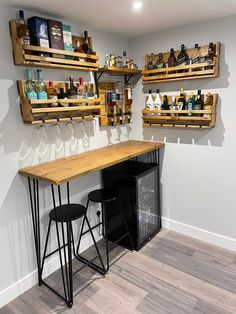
(172, 274)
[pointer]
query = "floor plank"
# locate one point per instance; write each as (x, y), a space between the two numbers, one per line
(172, 274)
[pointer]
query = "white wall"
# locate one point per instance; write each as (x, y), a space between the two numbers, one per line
(199, 173)
(22, 145)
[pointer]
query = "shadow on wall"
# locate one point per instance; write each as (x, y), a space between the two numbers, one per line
(209, 137)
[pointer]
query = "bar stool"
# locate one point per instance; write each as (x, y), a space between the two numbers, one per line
(105, 197)
(65, 214)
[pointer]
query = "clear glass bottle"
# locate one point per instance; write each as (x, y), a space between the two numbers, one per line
(81, 93)
(30, 89)
(149, 102)
(52, 94)
(41, 88)
(107, 61)
(22, 29)
(150, 65)
(157, 101)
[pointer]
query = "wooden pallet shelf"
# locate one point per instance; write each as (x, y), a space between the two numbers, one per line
(40, 111)
(191, 71)
(26, 55)
(200, 119)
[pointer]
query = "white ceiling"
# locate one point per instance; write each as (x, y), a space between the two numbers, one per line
(118, 16)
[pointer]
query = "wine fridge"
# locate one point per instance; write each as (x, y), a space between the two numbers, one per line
(137, 184)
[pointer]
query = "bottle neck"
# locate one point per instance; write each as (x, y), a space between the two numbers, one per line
(40, 76)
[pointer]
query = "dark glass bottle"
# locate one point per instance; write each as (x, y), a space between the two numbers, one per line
(182, 100)
(79, 50)
(160, 62)
(198, 102)
(183, 58)
(172, 59)
(86, 46)
(209, 58)
(150, 64)
(165, 105)
(22, 29)
(62, 95)
(72, 91)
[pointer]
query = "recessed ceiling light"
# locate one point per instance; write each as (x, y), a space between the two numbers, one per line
(137, 5)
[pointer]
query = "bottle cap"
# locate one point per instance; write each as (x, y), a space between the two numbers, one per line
(150, 91)
(199, 92)
(196, 46)
(182, 46)
(124, 53)
(160, 54)
(157, 91)
(171, 49)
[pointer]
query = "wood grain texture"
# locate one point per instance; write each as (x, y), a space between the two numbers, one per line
(70, 168)
(144, 282)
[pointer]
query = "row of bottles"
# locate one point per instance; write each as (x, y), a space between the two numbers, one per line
(119, 101)
(181, 102)
(69, 90)
(52, 34)
(182, 59)
(120, 61)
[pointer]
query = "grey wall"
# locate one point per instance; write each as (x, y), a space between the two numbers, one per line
(198, 174)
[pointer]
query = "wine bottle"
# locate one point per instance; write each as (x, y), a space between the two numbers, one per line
(62, 95)
(183, 58)
(72, 91)
(41, 88)
(52, 94)
(22, 29)
(160, 62)
(86, 46)
(182, 101)
(172, 60)
(30, 89)
(209, 58)
(79, 50)
(190, 103)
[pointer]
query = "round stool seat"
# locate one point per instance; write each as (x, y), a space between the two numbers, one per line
(102, 195)
(67, 213)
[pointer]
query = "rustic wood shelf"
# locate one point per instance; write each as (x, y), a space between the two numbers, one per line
(25, 55)
(193, 71)
(200, 119)
(33, 114)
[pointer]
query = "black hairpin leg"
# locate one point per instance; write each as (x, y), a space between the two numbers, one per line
(34, 205)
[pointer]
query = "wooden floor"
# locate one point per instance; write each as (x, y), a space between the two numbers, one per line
(171, 274)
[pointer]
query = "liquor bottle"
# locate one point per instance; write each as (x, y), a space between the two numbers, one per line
(90, 92)
(165, 105)
(79, 50)
(150, 62)
(107, 61)
(124, 59)
(157, 101)
(209, 58)
(121, 116)
(181, 101)
(112, 60)
(190, 103)
(160, 62)
(72, 91)
(198, 103)
(183, 58)
(196, 57)
(172, 59)
(52, 94)
(81, 92)
(173, 105)
(149, 102)
(22, 29)
(41, 88)
(86, 46)
(30, 89)
(128, 95)
(62, 95)
(208, 104)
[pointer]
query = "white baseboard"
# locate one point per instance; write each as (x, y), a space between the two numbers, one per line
(200, 234)
(26, 283)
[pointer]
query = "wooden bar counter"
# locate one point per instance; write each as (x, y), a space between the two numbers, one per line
(69, 168)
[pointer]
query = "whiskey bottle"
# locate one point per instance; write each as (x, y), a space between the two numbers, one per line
(165, 105)
(52, 94)
(62, 95)
(183, 58)
(22, 29)
(149, 102)
(41, 88)
(160, 62)
(196, 57)
(209, 58)
(72, 91)
(30, 89)
(172, 59)
(79, 50)
(81, 92)
(124, 59)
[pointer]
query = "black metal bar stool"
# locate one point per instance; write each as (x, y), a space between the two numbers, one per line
(65, 215)
(106, 198)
